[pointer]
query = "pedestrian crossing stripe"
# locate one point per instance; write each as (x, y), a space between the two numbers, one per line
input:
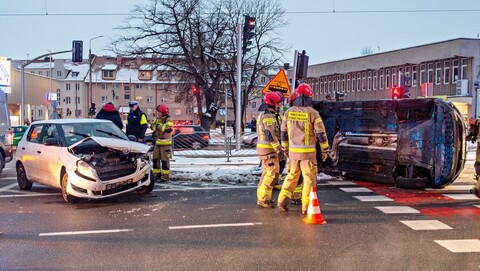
(397, 210)
(461, 245)
(425, 225)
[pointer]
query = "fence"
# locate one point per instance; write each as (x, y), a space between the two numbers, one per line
(212, 143)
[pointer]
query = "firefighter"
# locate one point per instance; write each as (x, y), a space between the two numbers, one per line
(162, 128)
(302, 128)
(268, 148)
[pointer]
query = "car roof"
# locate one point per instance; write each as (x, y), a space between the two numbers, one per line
(69, 121)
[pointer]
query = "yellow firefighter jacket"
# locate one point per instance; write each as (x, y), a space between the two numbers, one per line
(162, 127)
(301, 129)
(268, 130)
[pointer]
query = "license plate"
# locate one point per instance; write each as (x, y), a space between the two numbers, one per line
(122, 183)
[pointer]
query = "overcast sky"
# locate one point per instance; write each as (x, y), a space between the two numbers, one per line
(382, 25)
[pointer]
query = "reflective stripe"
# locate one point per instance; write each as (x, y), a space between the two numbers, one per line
(275, 145)
(324, 145)
(317, 120)
(301, 150)
(156, 170)
(285, 144)
(307, 133)
(163, 142)
(165, 171)
(143, 120)
(285, 193)
(264, 146)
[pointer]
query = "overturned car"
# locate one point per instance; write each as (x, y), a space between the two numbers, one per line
(412, 143)
(85, 158)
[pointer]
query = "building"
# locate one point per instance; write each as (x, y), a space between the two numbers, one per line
(448, 69)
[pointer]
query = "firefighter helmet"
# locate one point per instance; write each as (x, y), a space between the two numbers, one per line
(292, 97)
(304, 89)
(163, 109)
(272, 98)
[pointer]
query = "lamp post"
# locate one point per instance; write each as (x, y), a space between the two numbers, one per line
(90, 69)
(50, 92)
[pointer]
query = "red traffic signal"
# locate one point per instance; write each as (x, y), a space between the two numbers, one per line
(194, 90)
(397, 92)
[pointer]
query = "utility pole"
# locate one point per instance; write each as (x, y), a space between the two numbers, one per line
(238, 115)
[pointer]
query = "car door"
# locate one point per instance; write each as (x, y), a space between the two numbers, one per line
(27, 152)
(49, 156)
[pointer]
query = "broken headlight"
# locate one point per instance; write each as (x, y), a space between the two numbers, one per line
(86, 171)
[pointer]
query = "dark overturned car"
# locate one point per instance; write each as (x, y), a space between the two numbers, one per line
(411, 143)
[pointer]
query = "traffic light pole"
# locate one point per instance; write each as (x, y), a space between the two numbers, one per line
(293, 86)
(238, 115)
(22, 80)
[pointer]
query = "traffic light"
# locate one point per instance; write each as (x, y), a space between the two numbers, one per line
(248, 33)
(77, 51)
(397, 92)
(194, 90)
(92, 109)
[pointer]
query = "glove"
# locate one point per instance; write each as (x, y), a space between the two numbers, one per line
(324, 156)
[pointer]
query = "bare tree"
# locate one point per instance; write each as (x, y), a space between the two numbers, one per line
(366, 50)
(197, 39)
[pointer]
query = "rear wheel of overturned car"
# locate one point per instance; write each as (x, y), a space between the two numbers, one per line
(22, 179)
(147, 189)
(413, 183)
(66, 197)
(196, 145)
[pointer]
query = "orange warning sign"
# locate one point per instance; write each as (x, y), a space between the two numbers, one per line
(278, 83)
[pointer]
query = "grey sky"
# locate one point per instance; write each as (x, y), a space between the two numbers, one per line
(313, 26)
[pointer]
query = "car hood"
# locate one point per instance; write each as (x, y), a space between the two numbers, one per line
(114, 143)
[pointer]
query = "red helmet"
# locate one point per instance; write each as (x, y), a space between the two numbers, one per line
(292, 97)
(163, 108)
(304, 89)
(272, 98)
(279, 94)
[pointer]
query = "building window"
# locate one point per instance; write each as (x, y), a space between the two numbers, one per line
(438, 73)
(430, 73)
(77, 86)
(178, 112)
(48, 73)
(58, 96)
(254, 105)
(381, 80)
(77, 100)
(359, 81)
(446, 72)
(422, 74)
(454, 70)
(354, 82)
(40, 112)
(263, 79)
(342, 86)
(107, 74)
(369, 81)
(414, 76)
(126, 96)
(364, 81)
(104, 86)
(387, 78)
(325, 85)
(394, 76)
(138, 86)
(59, 73)
(126, 88)
(464, 68)
(40, 73)
(67, 86)
(115, 85)
(67, 100)
(104, 99)
(348, 83)
(375, 80)
(149, 99)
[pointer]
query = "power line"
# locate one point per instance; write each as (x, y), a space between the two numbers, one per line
(287, 12)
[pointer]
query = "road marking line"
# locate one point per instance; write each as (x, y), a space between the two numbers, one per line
(341, 183)
(452, 187)
(461, 196)
(425, 225)
(8, 178)
(7, 187)
(397, 210)
(30, 195)
(478, 206)
(457, 246)
(372, 198)
(215, 226)
(355, 189)
(201, 188)
(83, 232)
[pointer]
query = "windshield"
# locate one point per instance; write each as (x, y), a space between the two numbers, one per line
(75, 132)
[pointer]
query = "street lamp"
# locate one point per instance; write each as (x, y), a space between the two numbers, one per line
(90, 69)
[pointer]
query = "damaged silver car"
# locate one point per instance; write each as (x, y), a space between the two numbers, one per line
(85, 158)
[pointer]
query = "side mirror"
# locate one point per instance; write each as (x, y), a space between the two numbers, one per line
(132, 138)
(51, 142)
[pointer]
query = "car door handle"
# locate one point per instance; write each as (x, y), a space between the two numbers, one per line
(39, 152)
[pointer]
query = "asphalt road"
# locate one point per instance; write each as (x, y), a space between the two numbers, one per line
(219, 227)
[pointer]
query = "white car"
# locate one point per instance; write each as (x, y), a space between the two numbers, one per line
(85, 158)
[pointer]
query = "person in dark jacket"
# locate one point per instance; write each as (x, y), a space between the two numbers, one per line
(136, 122)
(108, 112)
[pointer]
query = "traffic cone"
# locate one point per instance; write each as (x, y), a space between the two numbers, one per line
(314, 216)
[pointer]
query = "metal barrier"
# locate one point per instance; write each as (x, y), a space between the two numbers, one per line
(207, 144)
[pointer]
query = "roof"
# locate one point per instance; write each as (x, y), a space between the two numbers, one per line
(109, 67)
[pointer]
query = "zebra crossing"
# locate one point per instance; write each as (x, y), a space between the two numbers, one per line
(456, 192)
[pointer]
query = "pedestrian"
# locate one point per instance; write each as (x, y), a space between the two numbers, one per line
(136, 122)
(108, 112)
(253, 124)
(269, 149)
(302, 128)
(162, 128)
(234, 127)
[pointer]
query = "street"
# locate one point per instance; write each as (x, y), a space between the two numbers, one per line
(215, 226)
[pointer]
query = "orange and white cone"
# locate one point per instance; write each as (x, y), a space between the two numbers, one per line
(314, 216)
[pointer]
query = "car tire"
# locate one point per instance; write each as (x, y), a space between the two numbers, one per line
(66, 197)
(2, 162)
(413, 183)
(22, 180)
(147, 189)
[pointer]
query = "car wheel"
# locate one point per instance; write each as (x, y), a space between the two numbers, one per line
(2, 162)
(22, 179)
(147, 189)
(413, 183)
(196, 145)
(66, 197)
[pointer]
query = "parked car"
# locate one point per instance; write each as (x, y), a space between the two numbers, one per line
(250, 139)
(18, 132)
(412, 143)
(85, 158)
(185, 136)
(6, 134)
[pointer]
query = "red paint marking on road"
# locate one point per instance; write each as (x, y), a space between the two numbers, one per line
(448, 212)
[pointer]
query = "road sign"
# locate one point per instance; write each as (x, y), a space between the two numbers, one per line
(278, 83)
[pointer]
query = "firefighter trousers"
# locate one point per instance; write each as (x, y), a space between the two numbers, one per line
(161, 161)
(308, 169)
(270, 173)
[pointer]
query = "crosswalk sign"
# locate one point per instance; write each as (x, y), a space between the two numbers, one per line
(278, 83)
